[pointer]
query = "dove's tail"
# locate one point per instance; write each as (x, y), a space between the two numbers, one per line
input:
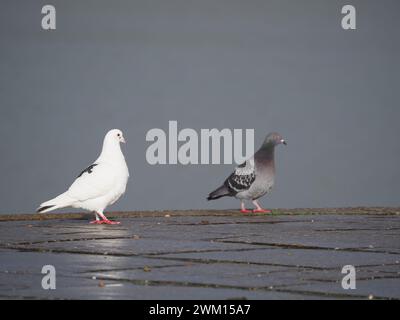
(61, 201)
(218, 193)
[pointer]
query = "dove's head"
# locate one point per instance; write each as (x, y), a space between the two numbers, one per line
(115, 135)
(274, 139)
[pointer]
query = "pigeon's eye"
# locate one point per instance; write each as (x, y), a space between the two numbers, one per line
(118, 135)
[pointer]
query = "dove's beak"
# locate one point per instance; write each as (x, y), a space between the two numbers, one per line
(123, 140)
(284, 142)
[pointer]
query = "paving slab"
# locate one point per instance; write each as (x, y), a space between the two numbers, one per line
(311, 258)
(289, 254)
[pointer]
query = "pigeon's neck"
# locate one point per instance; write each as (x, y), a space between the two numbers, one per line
(111, 152)
(266, 155)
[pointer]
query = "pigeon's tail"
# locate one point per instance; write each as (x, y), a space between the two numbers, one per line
(61, 201)
(218, 193)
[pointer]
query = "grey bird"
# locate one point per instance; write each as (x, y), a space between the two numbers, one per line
(254, 178)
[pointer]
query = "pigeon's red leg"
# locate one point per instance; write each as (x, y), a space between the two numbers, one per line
(106, 221)
(258, 208)
(243, 209)
(261, 211)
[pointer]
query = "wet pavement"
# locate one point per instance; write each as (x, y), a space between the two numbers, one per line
(291, 254)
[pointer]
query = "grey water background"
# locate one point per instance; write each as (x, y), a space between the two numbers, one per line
(284, 66)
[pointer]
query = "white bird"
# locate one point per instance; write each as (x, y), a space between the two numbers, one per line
(99, 185)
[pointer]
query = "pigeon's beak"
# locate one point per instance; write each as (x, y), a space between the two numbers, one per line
(284, 142)
(123, 140)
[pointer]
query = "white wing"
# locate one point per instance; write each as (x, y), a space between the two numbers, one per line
(95, 181)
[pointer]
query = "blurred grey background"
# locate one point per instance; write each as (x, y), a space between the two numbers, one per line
(269, 65)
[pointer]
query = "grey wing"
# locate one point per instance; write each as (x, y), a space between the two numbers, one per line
(242, 178)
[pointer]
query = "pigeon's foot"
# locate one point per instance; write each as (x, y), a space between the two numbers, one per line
(106, 221)
(96, 222)
(261, 211)
(245, 211)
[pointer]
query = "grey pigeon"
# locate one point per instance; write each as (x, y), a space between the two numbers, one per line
(253, 178)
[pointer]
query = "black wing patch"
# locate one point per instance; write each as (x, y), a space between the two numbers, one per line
(88, 169)
(241, 179)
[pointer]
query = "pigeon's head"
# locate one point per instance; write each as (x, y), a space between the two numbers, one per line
(274, 139)
(115, 135)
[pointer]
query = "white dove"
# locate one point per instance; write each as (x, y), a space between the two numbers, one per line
(99, 185)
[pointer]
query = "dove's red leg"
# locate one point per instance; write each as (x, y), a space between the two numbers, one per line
(243, 208)
(106, 221)
(258, 208)
(97, 221)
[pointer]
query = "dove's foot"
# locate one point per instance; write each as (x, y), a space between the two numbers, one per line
(106, 221)
(261, 211)
(245, 211)
(96, 222)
